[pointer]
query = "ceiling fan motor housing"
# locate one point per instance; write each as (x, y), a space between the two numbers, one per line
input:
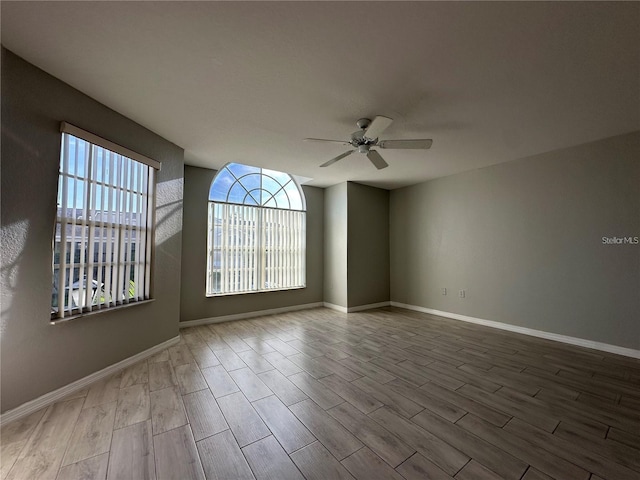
(362, 143)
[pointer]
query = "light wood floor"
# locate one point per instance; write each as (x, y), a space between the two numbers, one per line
(322, 395)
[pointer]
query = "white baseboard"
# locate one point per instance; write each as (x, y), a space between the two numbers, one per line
(581, 342)
(48, 398)
(357, 308)
(242, 316)
(333, 306)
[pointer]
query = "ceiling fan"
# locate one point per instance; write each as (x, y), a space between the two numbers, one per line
(367, 137)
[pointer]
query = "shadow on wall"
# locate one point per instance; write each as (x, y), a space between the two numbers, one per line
(29, 182)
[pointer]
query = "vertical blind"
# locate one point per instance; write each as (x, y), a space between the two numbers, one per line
(103, 241)
(255, 248)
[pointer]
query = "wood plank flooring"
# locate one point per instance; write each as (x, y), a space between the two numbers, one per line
(318, 394)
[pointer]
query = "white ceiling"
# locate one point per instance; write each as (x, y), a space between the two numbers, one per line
(247, 81)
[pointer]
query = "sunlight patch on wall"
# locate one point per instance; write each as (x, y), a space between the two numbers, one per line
(168, 209)
(13, 238)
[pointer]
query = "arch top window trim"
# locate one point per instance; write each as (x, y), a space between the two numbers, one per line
(282, 191)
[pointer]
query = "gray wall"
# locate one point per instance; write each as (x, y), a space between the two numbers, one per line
(368, 244)
(38, 357)
(194, 304)
(356, 245)
(335, 245)
(524, 239)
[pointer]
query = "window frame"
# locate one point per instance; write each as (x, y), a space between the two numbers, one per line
(117, 227)
(259, 270)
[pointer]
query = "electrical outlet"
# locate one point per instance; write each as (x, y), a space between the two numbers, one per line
(444, 291)
(461, 293)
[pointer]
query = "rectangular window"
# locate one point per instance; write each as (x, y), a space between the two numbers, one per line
(104, 225)
(255, 249)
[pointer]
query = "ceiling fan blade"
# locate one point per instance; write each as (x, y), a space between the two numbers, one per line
(407, 144)
(377, 159)
(378, 126)
(325, 140)
(339, 157)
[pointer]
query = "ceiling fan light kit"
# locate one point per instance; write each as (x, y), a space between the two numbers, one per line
(367, 137)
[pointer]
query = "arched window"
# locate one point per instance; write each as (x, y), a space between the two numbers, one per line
(257, 231)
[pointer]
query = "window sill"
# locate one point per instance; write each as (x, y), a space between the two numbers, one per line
(249, 292)
(59, 321)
